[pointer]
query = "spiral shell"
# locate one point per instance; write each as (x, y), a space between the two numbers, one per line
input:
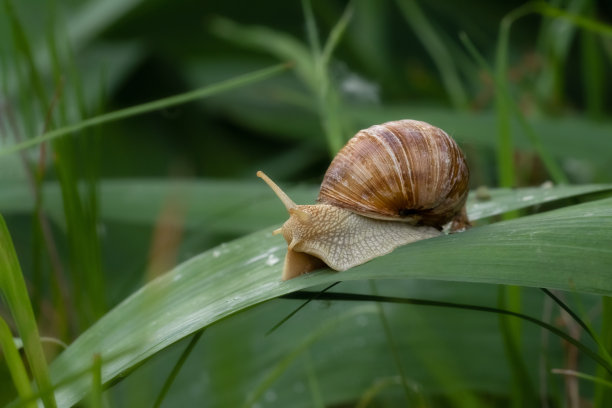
(404, 170)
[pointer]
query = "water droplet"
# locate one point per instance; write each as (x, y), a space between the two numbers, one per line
(547, 184)
(272, 260)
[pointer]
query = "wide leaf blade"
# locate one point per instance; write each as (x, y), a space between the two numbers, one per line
(568, 249)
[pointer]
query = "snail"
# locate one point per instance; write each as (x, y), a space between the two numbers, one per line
(390, 185)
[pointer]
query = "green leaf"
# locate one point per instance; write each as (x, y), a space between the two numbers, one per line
(283, 46)
(203, 92)
(435, 362)
(568, 249)
(14, 291)
(14, 362)
(437, 50)
(242, 207)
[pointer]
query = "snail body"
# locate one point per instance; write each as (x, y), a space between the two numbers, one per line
(390, 185)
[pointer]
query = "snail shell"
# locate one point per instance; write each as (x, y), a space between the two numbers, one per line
(390, 185)
(403, 170)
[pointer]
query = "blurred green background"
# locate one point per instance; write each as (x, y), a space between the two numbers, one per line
(71, 60)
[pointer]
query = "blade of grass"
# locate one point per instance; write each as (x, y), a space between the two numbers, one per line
(391, 344)
(475, 54)
(311, 66)
(87, 276)
(506, 166)
(38, 103)
(340, 296)
(42, 236)
(543, 250)
(380, 384)
(96, 16)
(95, 396)
(86, 21)
(329, 100)
(336, 34)
(369, 35)
(13, 287)
(598, 381)
(204, 92)
(313, 382)
(505, 158)
(554, 41)
(85, 373)
(282, 46)
(523, 394)
(603, 395)
(505, 148)
(555, 171)
(509, 297)
(569, 311)
(297, 309)
(326, 100)
(551, 165)
(505, 152)
(22, 45)
(437, 50)
(586, 23)
(243, 207)
(311, 30)
(300, 349)
(593, 74)
(14, 363)
(176, 369)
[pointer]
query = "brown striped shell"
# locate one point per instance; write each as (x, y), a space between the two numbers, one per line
(404, 170)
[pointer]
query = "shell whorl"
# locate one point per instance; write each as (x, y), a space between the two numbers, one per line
(403, 170)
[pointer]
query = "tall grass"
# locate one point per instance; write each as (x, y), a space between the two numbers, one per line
(353, 344)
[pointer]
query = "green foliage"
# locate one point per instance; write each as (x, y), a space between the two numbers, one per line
(15, 294)
(18, 372)
(140, 235)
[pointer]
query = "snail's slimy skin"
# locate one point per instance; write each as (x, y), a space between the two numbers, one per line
(342, 239)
